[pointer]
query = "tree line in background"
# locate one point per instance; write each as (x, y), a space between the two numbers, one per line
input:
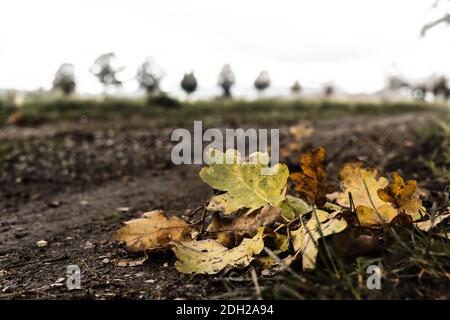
(149, 77)
(436, 85)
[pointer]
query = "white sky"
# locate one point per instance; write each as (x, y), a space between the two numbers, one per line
(353, 43)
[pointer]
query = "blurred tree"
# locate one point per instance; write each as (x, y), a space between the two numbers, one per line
(189, 83)
(296, 88)
(65, 79)
(328, 90)
(443, 19)
(226, 80)
(149, 76)
(439, 88)
(262, 82)
(106, 71)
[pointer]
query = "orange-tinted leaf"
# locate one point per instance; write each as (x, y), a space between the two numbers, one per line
(369, 216)
(311, 183)
(401, 195)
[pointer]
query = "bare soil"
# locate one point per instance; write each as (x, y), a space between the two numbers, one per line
(73, 185)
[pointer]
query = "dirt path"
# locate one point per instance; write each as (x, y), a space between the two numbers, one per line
(74, 187)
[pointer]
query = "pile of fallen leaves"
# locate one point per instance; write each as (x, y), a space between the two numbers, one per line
(252, 219)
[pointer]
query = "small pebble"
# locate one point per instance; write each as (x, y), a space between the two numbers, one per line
(54, 204)
(88, 245)
(265, 272)
(60, 280)
(106, 260)
(42, 243)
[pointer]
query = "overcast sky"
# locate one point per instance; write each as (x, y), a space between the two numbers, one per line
(353, 43)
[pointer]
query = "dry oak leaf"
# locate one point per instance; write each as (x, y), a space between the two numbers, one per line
(250, 185)
(305, 239)
(401, 195)
(210, 257)
(153, 231)
(354, 179)
(311, 183)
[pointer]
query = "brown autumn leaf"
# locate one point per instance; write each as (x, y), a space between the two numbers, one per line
(402, 196)
(230, 231)
(153, 231)
(132, 262)
(311, 183)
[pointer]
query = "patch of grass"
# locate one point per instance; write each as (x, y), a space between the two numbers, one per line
(212, 112)
(414, 266)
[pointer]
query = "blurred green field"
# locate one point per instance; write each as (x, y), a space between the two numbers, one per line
(169, 112)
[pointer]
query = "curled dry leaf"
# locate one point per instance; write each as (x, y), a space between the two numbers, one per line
(246, 184)
(431, 223)
(311, 183)
(305, 239)
(402, 196)
(210, 257)
(266, 216)
(153, 231)
(230, 231)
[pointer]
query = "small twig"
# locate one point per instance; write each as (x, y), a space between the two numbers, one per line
(202, 219)
(373, 204)
(195, 211)
(90, 270)
(284, 265)
(63, 257)
(256, 284)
